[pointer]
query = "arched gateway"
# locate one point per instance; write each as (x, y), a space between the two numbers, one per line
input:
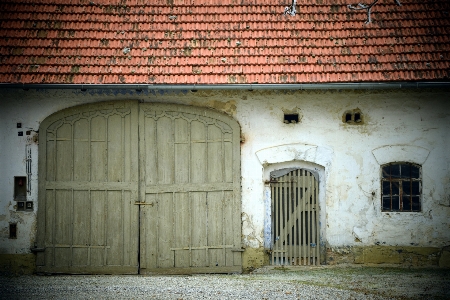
(128, 187)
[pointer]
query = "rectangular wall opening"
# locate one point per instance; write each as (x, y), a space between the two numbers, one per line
(12, 230)
(20, 188)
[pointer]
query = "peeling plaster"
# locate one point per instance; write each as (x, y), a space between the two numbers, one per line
(291, 152)
(267, 218)
(228, 107)
(407, 153)
(251, 237)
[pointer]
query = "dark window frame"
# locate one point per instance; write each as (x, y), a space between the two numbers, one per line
(401, 187)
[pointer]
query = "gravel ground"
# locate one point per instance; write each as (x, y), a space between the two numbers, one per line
(266, 283)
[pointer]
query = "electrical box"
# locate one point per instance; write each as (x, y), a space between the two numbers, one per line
(20, 194)
(20, 188)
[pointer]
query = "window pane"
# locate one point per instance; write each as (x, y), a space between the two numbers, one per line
(415, 172)
(386, 188)
(406, 203)
(406, 171)
(395, 171)
(415, 188)
(386, 203)
(395, 189)
(416, 203)
(395, 203)
(406, 186)
(386, 171)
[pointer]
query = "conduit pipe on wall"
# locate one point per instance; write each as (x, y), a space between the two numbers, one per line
(195, 87)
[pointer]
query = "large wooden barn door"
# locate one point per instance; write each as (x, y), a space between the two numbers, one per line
(189, 187)
(88, 183)
(128, 186)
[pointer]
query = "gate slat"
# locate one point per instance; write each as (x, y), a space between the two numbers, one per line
(317, 221)
(313, 228)
(310, 233)
(272, 194)
(276, 228)
(294, 218)
(278, 220)
(287, 228)
(284, 196)
(303, 219)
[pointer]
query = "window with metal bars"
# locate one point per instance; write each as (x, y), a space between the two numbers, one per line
(401, 187)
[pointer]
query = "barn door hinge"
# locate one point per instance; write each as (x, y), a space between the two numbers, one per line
(238, 250)
(35, 249)
(143, 203)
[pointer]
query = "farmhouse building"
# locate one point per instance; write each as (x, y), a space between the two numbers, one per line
(187, 136)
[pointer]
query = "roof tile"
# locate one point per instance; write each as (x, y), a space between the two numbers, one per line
(219, 41)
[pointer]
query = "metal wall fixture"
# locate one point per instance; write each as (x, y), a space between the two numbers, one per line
(28, 167)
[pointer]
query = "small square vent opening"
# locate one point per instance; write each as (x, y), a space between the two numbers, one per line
(348, 117)
(290, 118)
(353, 117)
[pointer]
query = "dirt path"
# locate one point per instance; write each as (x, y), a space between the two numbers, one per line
(267, 283)
(402, 283)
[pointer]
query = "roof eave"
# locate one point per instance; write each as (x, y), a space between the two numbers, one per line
(250, 86)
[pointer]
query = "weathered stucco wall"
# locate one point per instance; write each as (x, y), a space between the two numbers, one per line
(346, 157)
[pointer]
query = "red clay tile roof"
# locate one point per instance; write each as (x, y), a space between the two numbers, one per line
(222, 41)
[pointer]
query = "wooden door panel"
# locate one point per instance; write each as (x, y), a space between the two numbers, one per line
(87, 220)
(149, 232)
(81, 219)
(217, 244)
(81, 150)
(199, 229)
(193, 188)
(164, 148)
(165, 230)
(198, 153)
(182, 226)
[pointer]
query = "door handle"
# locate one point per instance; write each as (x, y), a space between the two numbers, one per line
(143, 203)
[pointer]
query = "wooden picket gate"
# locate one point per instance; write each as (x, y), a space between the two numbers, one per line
(295, 218)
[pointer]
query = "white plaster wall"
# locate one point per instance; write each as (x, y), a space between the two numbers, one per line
(353, 213)
(345, 154)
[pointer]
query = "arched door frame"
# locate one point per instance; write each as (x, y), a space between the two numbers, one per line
(315, 159)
